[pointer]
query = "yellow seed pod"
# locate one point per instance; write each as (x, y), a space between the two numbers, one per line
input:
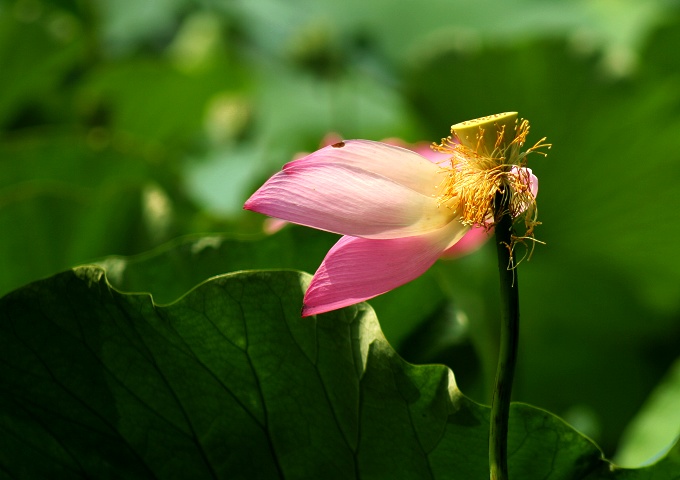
(488, 136)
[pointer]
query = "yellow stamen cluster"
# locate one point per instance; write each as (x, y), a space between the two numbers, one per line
(482, 154)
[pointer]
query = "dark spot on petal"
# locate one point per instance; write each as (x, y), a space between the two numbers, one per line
(338, 145)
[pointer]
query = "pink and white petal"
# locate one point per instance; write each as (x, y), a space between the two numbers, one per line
(437, 158)
(346, 199)
(357, 269)
(470, 242)
(533, 183)
(400, 165)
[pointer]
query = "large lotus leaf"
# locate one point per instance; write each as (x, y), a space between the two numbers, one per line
(174, 268)
(230, 382)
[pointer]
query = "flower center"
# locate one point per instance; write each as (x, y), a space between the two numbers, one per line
(483, 162)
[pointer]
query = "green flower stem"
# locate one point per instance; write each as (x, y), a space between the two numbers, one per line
(507, 358)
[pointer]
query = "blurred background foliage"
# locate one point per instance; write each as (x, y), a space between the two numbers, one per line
(125, 125)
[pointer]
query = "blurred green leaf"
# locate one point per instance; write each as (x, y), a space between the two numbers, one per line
(417, 30)
(353, 105)
(39, 46)
(154, 101)
(66, 198)
(127, 23)
(656, 427)
(230, 382)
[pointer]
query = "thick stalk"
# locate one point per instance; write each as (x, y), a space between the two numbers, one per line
(500, 406)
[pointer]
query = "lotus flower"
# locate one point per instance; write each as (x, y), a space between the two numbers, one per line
(398, 212)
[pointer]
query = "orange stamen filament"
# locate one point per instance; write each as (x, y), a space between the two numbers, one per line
(474, 177)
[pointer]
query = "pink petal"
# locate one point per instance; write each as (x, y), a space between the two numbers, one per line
(365, 189)
(400, 165)
(272, 225)
(357, 269)
(533, 183)
(421, 148)
(471, 241)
